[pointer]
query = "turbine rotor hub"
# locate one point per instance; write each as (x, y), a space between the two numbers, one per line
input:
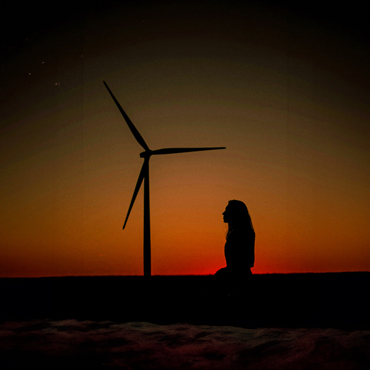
(146, 154)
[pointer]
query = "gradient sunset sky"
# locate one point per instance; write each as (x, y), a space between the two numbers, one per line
(285, 87)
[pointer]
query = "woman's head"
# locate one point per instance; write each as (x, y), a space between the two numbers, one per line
(237, 216)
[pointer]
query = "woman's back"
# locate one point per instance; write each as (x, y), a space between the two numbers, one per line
(239, 250)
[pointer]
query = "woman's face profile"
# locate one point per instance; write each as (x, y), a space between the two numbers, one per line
(226, 214)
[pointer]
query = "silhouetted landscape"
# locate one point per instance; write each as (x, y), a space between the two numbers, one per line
(273, 300)
(285, 321)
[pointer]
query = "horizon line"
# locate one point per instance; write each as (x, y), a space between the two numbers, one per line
(187, 275)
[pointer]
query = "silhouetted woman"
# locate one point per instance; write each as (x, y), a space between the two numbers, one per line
(239, 248)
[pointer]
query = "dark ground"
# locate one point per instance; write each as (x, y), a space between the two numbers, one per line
(325, 300)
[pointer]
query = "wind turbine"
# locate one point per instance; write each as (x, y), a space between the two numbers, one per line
(144, 175)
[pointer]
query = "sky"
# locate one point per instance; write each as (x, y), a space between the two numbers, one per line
(284, 87)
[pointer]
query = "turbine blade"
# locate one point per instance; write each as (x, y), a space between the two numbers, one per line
(131, 126)
(137, 188)
(182, 150)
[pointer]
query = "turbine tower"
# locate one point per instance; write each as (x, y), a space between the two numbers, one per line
(144, 175)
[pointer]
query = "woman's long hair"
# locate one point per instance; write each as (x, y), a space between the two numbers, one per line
(239, 218)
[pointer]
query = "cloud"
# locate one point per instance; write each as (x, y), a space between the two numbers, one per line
(77, 344)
